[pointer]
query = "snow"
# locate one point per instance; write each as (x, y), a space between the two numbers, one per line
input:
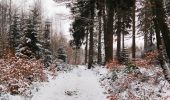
(146, 83)
(79, 84)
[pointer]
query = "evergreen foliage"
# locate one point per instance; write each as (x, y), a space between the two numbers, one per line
(81, 22)
(62, 54)
(15, 32)
(45, 49)
(30, 46)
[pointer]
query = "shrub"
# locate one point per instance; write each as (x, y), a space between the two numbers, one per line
(130, 68)
(16, 74)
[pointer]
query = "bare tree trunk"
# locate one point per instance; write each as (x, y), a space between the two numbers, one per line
(145, 41)
(1, 42)
(104, 21)
(99, 40)
(108, 36)
(75, 59)
(91, 46)
(118, 36)
(134, 36)
(86, 48)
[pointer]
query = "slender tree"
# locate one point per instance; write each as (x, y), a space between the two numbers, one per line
(91, 33)
(134, 31)
(99, 6)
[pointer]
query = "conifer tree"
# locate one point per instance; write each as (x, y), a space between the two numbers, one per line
(30, 45)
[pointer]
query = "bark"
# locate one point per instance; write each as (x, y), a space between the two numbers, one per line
(145, 41)
(118, 36)
(104, 21)
(108, 36)
(134, 36)
(86, 48)
(91, 46)
(99, 42)
(123, 41)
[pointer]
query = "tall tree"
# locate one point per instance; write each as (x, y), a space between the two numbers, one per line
(86, 47)
(108, 35)
(134, 31)
(30, 47)
(91, 33)
(99, 6)
(118, 33)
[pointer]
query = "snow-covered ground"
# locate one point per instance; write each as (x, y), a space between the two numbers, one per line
(78, 84)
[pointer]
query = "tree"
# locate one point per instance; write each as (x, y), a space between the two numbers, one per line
(45, 50)
(99, 7)
(82, 22)
(30, 46)
(86, 48)
(123, 22)
(91, 33)
(134, 31)
(108, 35)
(15, 32)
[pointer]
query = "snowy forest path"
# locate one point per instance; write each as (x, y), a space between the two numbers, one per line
(78, 84)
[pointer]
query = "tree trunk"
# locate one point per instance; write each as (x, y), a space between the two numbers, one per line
(118, 37)
(91, 46)
(145, 41)
(86, 47)
(99, 39)
(104, 22)
(108, 36)
(123, 41)
(99, 58)
(134, 36)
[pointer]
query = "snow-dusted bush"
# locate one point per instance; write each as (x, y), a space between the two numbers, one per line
(143, 83)
(16, 74)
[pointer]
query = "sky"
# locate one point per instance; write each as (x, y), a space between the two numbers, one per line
(58, 13)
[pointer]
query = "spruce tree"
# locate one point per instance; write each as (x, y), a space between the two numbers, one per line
(46, 49)
(30, 46)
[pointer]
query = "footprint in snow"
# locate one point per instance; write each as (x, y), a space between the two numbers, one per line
(71, 93)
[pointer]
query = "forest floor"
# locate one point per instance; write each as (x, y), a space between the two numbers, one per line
(100, 83)
(77, 84)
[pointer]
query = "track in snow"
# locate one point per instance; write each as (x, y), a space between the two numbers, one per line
(79, 84)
